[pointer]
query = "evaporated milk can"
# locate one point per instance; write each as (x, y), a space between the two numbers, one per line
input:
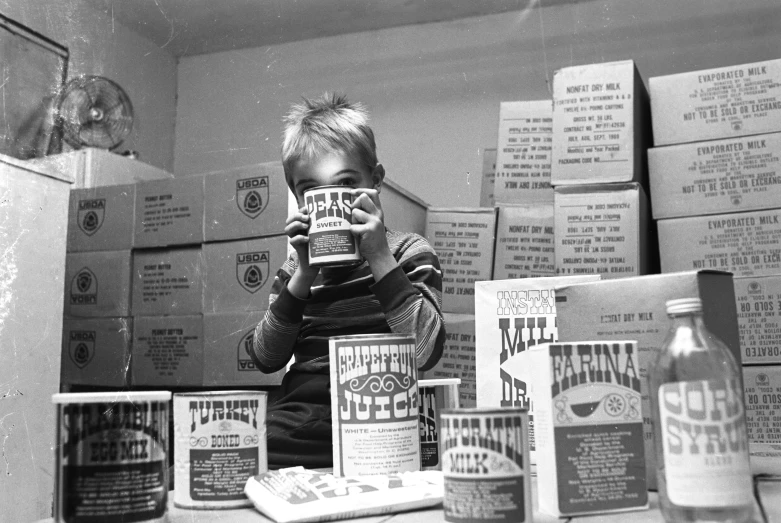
(219, 442)
(331, 244)
(111, 461)
(485, 465)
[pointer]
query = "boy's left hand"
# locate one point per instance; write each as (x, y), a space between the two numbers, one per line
(368, 225)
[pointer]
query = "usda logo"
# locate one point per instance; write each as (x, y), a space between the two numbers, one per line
(252, 270)
(91, 215)
(81, 347)
(245, 346)
(84, 288)
(252, 195)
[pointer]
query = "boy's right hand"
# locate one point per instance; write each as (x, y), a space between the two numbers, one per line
(297, 230)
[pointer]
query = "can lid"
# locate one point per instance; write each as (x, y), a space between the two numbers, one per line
(682, 305)
(111, 397)
(439, 381)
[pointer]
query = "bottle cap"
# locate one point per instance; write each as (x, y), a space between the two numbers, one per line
(682, 305)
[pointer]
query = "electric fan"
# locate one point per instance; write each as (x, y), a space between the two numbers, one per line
(94, 111)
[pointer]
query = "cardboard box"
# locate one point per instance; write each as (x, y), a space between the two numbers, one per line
(403, 211)
(237, 275)
(604, 229)
(97, 284)
(738, 174)
(590, 454)
(523, 158)
(634, 308)
(758, 301)
(226, 339)
(101, 218)
(524, 242)
(167, 351)
(458, 357)
(96, 351)
(745, 244)
(489, 178)
(762, 386)
(245, 202)
(169, 212)
(464, 241)
(725, 102)
(601, 127)
(167, 281)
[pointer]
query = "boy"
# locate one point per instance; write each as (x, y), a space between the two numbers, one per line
(397, 288)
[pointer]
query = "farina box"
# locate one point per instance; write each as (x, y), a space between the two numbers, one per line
(97, 284)
(635, 308)
(511, 317)
(745, 244)
(245, 202)
(604, 229)
(464, 241)
(167, 281)
(523, 152)
(169, 212)
(101, 218)
(489, 178)
(737, 174)
(758, 301)
(590, 455)
(167, 351)
(226, 339)
(762, 387)
(731, 101)
(458, 357)
(601, 127)
(96, 351)
(524, 242)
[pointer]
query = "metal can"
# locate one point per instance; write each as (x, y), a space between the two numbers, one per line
(435, 395)
(111, 457)
(374, 403)
(219, 443)
(485, 465)
(331, 244)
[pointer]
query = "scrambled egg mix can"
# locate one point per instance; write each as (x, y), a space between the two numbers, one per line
(331, 244)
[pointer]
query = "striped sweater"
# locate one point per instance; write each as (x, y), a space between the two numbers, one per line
(407, 300)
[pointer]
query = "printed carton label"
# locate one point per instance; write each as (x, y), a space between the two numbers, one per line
(91, 215)
(252, 195)
(252, 270)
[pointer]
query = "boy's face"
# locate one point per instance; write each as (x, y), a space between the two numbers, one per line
(335, 168)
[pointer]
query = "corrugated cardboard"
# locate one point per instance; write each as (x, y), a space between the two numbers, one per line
(604, 229)
(226, 338)
(762, 387)
(524, 242)
(167, 351)
(601, 127)
(489, 178)
(523, 152)
(725, 102)
(402, 210)
(464, 241)
(238, 275)
(458, 357)
(245, 202)
(96, 351)
(737, 174)
(97, 284)
(169, 212)
(634, 308)
(745, 244)
(101, 219)
(758, 300)
(167, 281)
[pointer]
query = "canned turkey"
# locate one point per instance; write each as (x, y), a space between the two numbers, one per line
(219, 442)
(485, 457)
(331, 244)
(111, 459)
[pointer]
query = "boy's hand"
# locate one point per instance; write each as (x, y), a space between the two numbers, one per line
(297, 229)
(369, 230)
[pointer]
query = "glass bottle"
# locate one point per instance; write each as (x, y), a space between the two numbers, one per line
(699, 422)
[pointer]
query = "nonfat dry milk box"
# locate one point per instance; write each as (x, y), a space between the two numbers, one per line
(523, 152)
(463, 238)
(603, 229)
(245, 202)
(762, 388)
(736, 174)
(601, 126)
(524, 242)
(635, 308)
(167, 281)
(458, 357)
(758, 301)
(97, 284)
(96, 351)
(725, 102)
(167, 351)
(590, 455)
(745, 244)
(169, 212)
(489, 178)
(101, 218)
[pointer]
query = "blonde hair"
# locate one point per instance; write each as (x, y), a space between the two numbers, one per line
(324, 125)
